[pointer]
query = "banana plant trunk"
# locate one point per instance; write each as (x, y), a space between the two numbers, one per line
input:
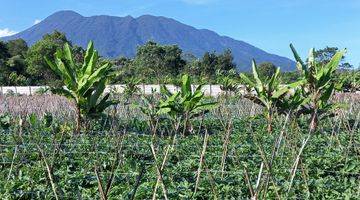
(314, 114)
(186, 124)
(78, 120)
(269, 120)
(314, 121)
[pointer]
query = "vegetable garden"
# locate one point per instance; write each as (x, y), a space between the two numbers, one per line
(279, 141)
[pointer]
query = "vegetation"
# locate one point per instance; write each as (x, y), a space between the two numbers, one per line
(223, 162)
(317, 84)
(85, 84)
(184, 105)
(177, 143)
(268, 92)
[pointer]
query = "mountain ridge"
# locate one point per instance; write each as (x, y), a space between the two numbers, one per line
(114, 36)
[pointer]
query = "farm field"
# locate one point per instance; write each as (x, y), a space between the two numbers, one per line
(96, 130)
(228, 154)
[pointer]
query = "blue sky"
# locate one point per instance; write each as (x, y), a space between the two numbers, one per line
(268, 24)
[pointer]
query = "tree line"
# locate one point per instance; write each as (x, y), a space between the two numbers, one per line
(153, 63)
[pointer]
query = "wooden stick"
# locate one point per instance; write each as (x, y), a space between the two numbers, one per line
(100, 186)
(158, 171)
(49, 173)
(163, 164)
(293, 171)
(225, 147)
(202, 157)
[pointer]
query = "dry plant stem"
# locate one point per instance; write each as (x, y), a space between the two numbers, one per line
(57, 147)
(138, 179)
(114, 167)
(161, 168)
(154, 126)
(349, 146)
(105, 191)
(49, 173)
(257, 186)
(212, 181)
(294, 168)
(248, 182)
(276, 148)
(169, 148)
(268, 167)
(305, 177)
(202, 158)
(201, 122)
(12, 165)
(100, 186)
(225, 147)
(159, 171)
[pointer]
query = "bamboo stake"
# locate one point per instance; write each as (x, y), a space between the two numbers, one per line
(201, 160)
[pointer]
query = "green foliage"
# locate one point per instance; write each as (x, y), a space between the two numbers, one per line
(266, 70)
(211, 63)
(131, 87)
(227, 81)
(324, 56)
(37, 68)
(153, 63)
(4, 52)
(17, 47)
(317, 83)
(84, 83)
(5, 121)
(157, 61)
(331, 168)
(268, 92)
(350, 80)
(185, 104)
(12, 63)
(290, 77)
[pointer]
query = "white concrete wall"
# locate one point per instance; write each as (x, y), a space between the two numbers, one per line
(210, 90)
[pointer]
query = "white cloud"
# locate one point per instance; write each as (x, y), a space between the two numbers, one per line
(37, 21)
(198, 2)
(6, 32)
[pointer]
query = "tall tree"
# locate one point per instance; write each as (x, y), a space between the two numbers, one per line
(208, 64)
(4, 52)
(225, 61)
(17, 47)
(323, 56)
(158, 60)
(266, 70)
(37, 68)
(12, 64)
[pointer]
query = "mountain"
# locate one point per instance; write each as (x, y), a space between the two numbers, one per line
(114, 36)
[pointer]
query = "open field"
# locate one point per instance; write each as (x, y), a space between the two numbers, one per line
(228, 154)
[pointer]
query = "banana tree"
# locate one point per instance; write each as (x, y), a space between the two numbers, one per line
(131, 87)
(318, 84)
(185, 104)
(227, 82)
(85, 84)
(351, 81)
(150, 108)
(266, 93)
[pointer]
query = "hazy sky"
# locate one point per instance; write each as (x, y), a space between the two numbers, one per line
(268, 24)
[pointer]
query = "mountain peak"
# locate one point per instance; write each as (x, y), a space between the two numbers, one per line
(115, 36)
(67, 13)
